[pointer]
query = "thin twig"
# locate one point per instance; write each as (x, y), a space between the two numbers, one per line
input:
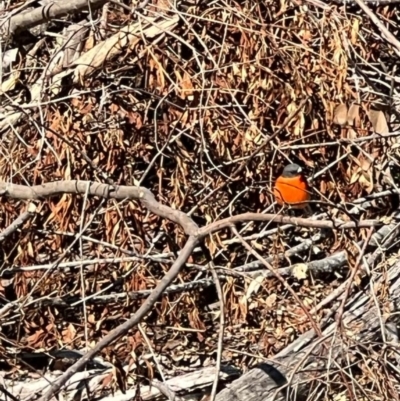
(221, 331)
(385, 32)
(352, 276)
(125, 327)
(279, 277)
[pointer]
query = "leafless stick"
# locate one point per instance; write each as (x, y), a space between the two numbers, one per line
(330, 298)
(7, 393)
(7, 307)
(125, 327)
(18, 222)
(317, 267)
(241, 218)
(74, 263)
(385, 32)
(147, 198)
(104, 191)
(163, 388)
(279, 277)
(32, 18)
(351, 279)
(221, 331)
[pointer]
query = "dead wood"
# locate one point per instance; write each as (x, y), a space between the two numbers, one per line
(203, 104)
(48, 12)
(194, 383)
(149, 201)
(288, 375)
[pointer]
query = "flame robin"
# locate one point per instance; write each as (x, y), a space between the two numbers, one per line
(291, 188)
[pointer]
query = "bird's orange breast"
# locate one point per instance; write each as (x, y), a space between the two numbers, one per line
(291, 191)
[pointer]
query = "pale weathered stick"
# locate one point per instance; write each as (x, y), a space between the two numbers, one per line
(147, 199)
(385, 32)
(18, 222)
(37, 16)
(134, 320)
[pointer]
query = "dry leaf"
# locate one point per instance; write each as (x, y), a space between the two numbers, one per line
(107, 380)
(122, 41)
(354, 31)
(74, 40)
(271, 300)
(378, 121)
(340, 397)
(386, 220)
(351, 134)
(9, 57)
(243, 306)
(300, 271)
(353, 114)
(355, 177)
(254, 286)
(10, 82)
(366, 182)
(299, 126)
(340, 115)
(186, 85)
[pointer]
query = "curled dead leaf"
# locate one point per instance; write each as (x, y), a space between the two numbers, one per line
(366, 181)
(271, 300)
(186, 86)
(10, 82)
(254, 286)
(340, 114)
(378, 121)
(353, 114)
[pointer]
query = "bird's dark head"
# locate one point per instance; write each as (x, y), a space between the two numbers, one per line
(291, 170)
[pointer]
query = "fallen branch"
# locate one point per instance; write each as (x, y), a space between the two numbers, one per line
(98, 298)
(89, 381)
(292, 369)
(55, 9)
(148, 200)
(18, 222)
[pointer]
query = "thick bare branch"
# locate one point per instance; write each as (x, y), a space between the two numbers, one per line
(55, 9)
(145, 196)
(119, 192)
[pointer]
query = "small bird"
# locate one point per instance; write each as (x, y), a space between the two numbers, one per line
(291, 188)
